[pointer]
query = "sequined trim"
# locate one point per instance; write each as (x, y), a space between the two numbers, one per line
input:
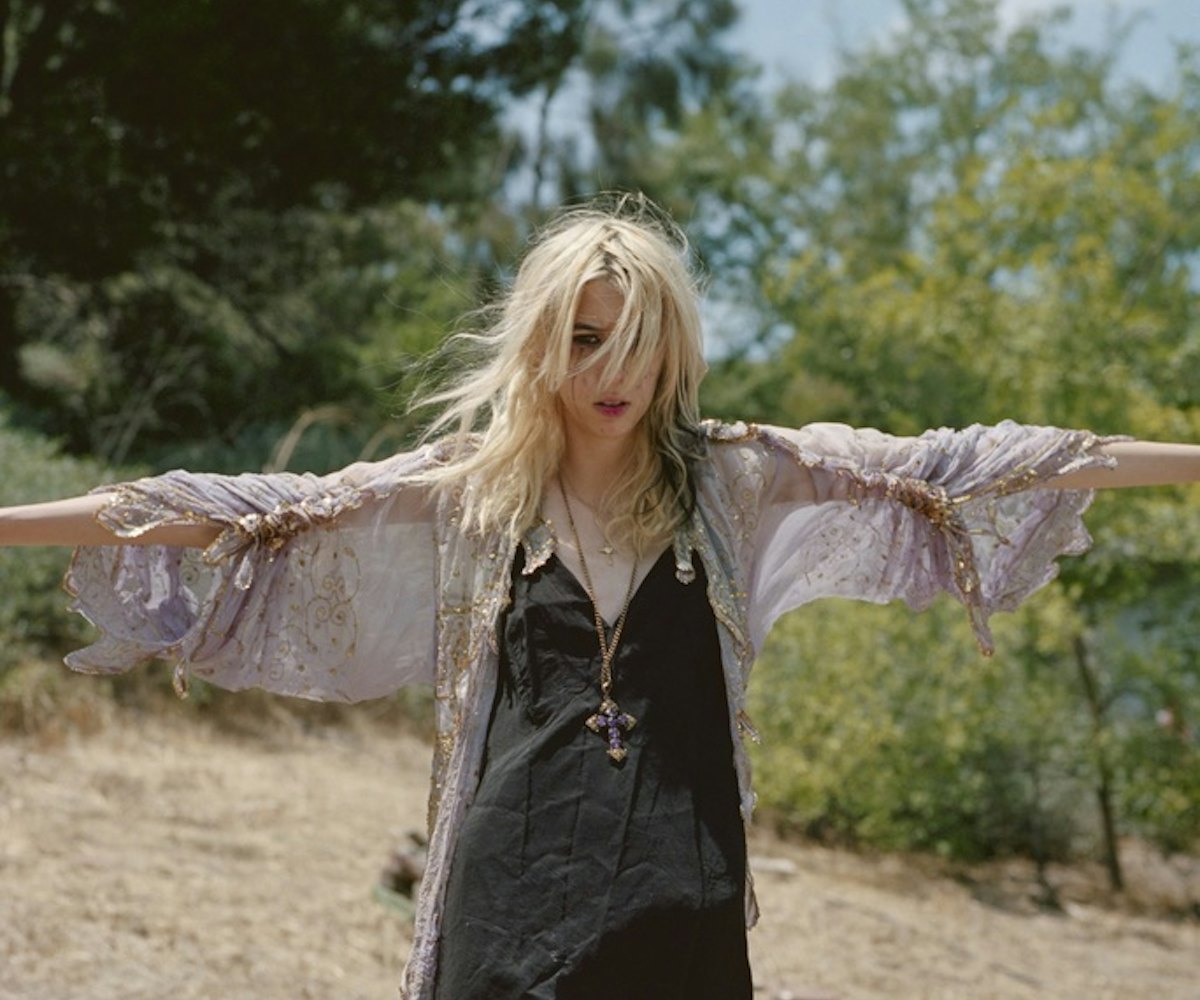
(685, 572)
(538, 544)
(716, 430)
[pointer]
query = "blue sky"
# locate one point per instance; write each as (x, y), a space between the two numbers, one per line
(799, 38)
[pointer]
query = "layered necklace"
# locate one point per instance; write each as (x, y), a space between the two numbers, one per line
(608, 720)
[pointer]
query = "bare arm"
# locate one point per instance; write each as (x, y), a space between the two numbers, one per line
(73, 522)
(1139, 463)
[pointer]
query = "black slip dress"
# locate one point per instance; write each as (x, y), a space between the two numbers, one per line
(577, 878)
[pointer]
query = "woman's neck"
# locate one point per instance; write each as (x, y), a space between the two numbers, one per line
(589, 471)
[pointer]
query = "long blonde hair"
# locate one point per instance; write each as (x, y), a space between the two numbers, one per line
(511, 398)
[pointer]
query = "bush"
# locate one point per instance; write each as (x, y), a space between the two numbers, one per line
(33, 616)
(885, 728)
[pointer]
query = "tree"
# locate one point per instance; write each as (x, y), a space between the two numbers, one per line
(636, 74)
(192, 193)
(971, 224)
(153, 155)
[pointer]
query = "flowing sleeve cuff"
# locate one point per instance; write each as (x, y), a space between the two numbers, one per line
(888, 518)
(297, 594)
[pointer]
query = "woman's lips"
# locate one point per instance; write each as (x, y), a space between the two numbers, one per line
(612, 409)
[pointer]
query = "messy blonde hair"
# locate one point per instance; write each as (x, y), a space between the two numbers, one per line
(512, 396)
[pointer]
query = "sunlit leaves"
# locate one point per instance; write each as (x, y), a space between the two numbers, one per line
(970, 225)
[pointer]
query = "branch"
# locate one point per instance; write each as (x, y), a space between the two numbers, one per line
(330, 413)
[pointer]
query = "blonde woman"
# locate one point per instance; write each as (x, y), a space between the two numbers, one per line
(584, 569)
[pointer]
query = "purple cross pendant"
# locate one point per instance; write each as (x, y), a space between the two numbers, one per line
(608, 721)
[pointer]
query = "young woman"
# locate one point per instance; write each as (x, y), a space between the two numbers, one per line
(585, 570)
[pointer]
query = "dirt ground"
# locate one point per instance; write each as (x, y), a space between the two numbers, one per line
(160, 857)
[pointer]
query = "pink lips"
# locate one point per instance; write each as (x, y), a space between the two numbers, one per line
(612, 409)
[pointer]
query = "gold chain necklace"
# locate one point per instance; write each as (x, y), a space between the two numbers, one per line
(606, 549)
(608, 720)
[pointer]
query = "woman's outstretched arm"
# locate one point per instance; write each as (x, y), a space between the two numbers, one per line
(1138, 463)
(957, 511)
(73, 522)
(297, 590)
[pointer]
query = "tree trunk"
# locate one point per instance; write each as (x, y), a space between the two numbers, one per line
(1104, 788)
(10, 379)
(1037, 834)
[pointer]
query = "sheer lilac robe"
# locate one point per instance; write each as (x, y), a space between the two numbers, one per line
(348, 586)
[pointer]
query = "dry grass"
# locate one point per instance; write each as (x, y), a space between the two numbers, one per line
(149, 849)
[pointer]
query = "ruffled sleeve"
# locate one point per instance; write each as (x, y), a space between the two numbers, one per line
(865, 515)
(319, 587)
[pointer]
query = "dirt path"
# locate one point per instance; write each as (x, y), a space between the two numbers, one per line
(161, 859)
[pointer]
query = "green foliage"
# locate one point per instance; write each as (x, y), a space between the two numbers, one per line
(219, 214)
(1143, 649)
(33, 468)
(221, 223)
(972, 224)
(635, 75)
(885, 728)
(121, 113)
(240, 325)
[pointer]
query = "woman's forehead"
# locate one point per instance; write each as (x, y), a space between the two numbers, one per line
(600, 304)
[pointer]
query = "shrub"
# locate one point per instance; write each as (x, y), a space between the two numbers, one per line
(33, 616)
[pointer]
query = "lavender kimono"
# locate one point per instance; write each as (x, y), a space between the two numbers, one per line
(347, 586)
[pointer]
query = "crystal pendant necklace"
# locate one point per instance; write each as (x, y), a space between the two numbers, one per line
(608, 720)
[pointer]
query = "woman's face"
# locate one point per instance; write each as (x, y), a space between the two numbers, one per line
(593, 408)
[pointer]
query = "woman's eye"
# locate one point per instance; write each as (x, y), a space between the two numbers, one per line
(585, 341)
